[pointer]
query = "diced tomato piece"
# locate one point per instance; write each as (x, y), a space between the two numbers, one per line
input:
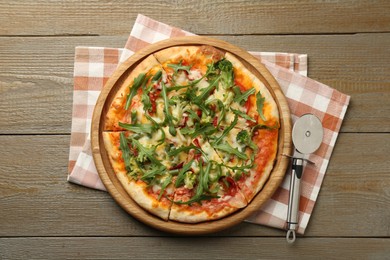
(215, 121)
(197, 153)
(251, 123)
(239, 84)
(153, 96)
(196, 142)
(178, 166)
(199, 113)
(184, 121)
(232, 184)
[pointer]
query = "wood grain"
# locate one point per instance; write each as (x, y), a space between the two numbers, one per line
(354, 64)
(44, 217)
(195, 248)
(44, 17)
(36, 200)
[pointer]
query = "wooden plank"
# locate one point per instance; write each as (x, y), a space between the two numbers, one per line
(182, 248)
(356, 188)
(354, 64)
(44, 17)
(36, 200)
(38, 95)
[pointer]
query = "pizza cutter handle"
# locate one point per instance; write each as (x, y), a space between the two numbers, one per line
(293, 201)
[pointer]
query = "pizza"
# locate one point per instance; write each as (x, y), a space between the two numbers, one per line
(191, 134)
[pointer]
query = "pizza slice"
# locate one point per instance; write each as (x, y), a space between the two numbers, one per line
(247, 114)
(144, 168)
(248, 156)
(252, 97)
(203, 192)
(138, 100)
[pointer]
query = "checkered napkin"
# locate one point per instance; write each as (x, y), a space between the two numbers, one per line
(94, 65)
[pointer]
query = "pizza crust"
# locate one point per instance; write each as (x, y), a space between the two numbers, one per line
(196, 56)
(208, 210)
(175, 53)
(111, 144)
(138, 192)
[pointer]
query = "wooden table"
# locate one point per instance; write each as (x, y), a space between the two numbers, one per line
(43, 216)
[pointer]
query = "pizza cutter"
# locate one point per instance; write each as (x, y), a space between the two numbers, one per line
(307, 134)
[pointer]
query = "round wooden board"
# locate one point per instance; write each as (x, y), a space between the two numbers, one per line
(115, 188)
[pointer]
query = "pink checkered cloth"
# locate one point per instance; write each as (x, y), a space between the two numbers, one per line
(94, 65)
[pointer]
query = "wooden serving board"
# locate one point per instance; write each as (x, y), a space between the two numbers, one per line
(115, 188)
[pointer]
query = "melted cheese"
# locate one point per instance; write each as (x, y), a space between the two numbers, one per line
(210, 152)
(177, 112)
(195, 74)
(202, 84)
(181, 78)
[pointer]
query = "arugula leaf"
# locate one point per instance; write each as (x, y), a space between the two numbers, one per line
(123, 146)
(177, 87)
(137, 128)
(157, 76)
(227, 130)
(187, 130)
(206, 129)
(149, 175)
(205, 177)
(205, 92)
(144, 152)
(145, 99)
(210, 71)
(176, 151)
(225, 147)
(192, 114)
(168, 116)
(198, 194)
(200, 189)
(133, 116)
(218, 169)
(242, 114)
(181, 175)
(222, 110)
(241, 167)
(244, 96)
(156, 126)
(205, 110)
(134, 170)
(236, 90)
(177, 67)
(164, 185)
(138, 81)
(260, 103)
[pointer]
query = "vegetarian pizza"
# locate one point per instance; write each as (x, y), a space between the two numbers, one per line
(192, 134)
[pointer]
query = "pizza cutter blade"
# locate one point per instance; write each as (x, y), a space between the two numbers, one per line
(307, 134)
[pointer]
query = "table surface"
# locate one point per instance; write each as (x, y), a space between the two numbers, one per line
(43, 216)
